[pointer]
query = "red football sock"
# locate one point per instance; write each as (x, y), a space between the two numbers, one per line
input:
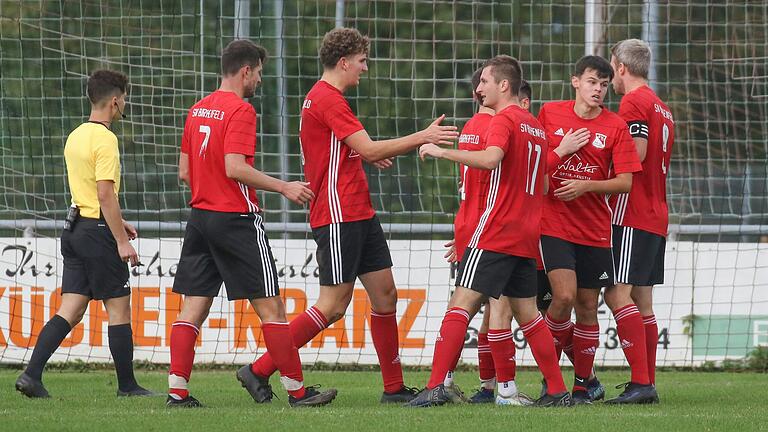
(562, 332)
(585, 341)
(485, 358)
(503, 352)
(629, 325)
(449, 341)
(651, 341)
(303, 328)
(386, 341)
(183, 337)
(543, 349)
(277, 337)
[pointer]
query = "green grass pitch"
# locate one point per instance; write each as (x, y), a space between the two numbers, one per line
(690, 401)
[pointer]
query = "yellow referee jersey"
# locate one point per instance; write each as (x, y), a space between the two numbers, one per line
(91, 154)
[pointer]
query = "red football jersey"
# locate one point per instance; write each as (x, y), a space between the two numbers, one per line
(334, 170)
(645, 206)
(587, 219)
(472, 138)
(511, 200)
(219, 124)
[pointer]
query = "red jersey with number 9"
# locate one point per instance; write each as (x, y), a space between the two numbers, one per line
(512, 198)
(645, 206)
(219, 124)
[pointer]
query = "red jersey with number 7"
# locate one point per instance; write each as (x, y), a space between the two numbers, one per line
(610, 150)
(645, 206)
(219, 124)
(333, 169)
(512, 198)
(473, 180)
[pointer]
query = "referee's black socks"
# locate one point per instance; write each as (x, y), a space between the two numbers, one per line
(49, 340)
(121, 347)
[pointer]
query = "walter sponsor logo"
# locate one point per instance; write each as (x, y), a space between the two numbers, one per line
(575, 168)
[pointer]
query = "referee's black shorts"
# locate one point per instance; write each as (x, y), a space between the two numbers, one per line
(347, 250)
(230, 248)
(92, 266)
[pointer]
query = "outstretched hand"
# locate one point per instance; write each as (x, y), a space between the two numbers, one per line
(436, 133)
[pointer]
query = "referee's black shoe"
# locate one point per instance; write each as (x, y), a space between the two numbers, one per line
(313, 398)
(31, 387)
(187, 402)
(258, 386)
(559, 400)
(137, 391)
(635, 394)
(405, 394)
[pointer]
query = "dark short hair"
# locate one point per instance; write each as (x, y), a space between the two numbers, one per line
(525, 90)
(476, 81)
(239, 53)
(504, 67)
(342, 42)
(596, 63)
(105, 83)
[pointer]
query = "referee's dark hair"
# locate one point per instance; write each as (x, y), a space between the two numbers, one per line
(239, 53)
(105, 83)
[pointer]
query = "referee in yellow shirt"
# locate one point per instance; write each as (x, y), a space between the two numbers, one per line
(95, 242)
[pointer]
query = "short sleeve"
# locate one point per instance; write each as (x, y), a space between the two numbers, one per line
(106, 157)
(635, 116)
(499, 133)
(240, 135)
(340, 118)
(624, 153)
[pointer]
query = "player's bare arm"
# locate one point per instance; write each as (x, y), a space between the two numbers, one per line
(377, 150)
(383, 164)
(642, 148)
(487, 159)
(573, 189)
(238, 169)
(110, 208)
(184, 168)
